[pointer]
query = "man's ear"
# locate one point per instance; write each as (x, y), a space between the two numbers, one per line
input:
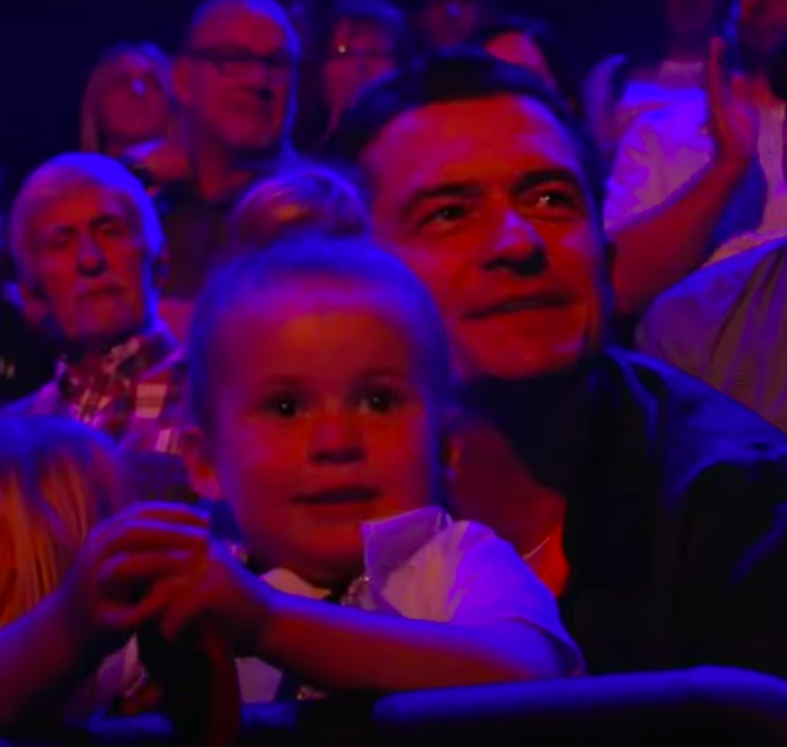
(181, 80)
(34, 308)
(199, 464)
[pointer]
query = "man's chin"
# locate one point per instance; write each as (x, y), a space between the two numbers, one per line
(522, 364)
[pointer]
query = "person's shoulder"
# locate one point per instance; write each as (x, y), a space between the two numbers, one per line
(695, 423)
(693, 309)
(19, 408)
(674, 127)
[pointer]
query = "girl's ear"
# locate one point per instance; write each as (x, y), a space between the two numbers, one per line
(199, 464)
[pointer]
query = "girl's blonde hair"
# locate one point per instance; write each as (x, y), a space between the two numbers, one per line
(91, 137)
(314, 199)
(58, 480)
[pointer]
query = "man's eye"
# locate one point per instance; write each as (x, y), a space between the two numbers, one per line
(556, 202)
(286, 407)
(113, 229)
(445, 215)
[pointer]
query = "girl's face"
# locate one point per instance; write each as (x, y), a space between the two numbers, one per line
(323, 419)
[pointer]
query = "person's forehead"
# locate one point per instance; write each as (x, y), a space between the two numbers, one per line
(350, 324)
(81, 203)
(485, 140)
(242, 25)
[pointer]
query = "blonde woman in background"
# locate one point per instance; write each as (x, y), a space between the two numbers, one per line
(64, 521)
(311, 199)
(128, 112)
(58, 480)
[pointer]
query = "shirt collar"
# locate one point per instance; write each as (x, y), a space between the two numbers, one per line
(389, 545)
(124, 362)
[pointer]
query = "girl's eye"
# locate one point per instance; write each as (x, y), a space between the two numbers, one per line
(283, 406)
(381, 400)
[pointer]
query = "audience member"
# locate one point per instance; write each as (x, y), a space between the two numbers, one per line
(449, 23)
(362, 41)
(644, 498)
(235, 81)
(27, 362)
(536, 46)
(703, 181)
(67, 657)
(337, 482)
(725, 326)
(671, 69)
(58, 481)
(90, 255)
(127, 100)
(315, 199)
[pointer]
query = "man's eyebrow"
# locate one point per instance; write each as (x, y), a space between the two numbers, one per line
(103, 220)
(539, 177)
(455, 190)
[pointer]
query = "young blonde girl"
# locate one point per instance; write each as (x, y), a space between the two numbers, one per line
(58, 480)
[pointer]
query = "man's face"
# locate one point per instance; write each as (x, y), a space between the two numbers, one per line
(89, 269)
(447, 23)
(762, 25)
(236, 77)
(486, 201)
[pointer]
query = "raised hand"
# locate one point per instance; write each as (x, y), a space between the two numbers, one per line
(215, 587)
(733, 122)
(121, 560)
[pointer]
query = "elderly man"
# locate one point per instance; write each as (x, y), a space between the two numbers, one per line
(234, 80)
(651, 504)
(89, 255)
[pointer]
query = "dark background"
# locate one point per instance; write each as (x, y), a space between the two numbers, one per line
(48, 46)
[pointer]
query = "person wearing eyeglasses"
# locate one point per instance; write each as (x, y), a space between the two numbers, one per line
(234, 79)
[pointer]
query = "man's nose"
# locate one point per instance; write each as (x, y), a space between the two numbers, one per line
(337, 439)
(517, 247)
(139, 87)
(90, 257)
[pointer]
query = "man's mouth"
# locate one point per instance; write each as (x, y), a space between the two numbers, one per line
(518, 304)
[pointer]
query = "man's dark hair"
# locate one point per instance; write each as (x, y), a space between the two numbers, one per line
(446, 77)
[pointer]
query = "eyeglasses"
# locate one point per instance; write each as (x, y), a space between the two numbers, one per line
(239, 63)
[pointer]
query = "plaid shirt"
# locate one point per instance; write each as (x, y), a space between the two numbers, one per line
(137, 397)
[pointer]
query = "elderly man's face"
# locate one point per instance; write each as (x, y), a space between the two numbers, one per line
(236, 78)
(88, 269)
(488, 204)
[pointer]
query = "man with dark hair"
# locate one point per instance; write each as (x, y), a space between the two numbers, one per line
(648, 502)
